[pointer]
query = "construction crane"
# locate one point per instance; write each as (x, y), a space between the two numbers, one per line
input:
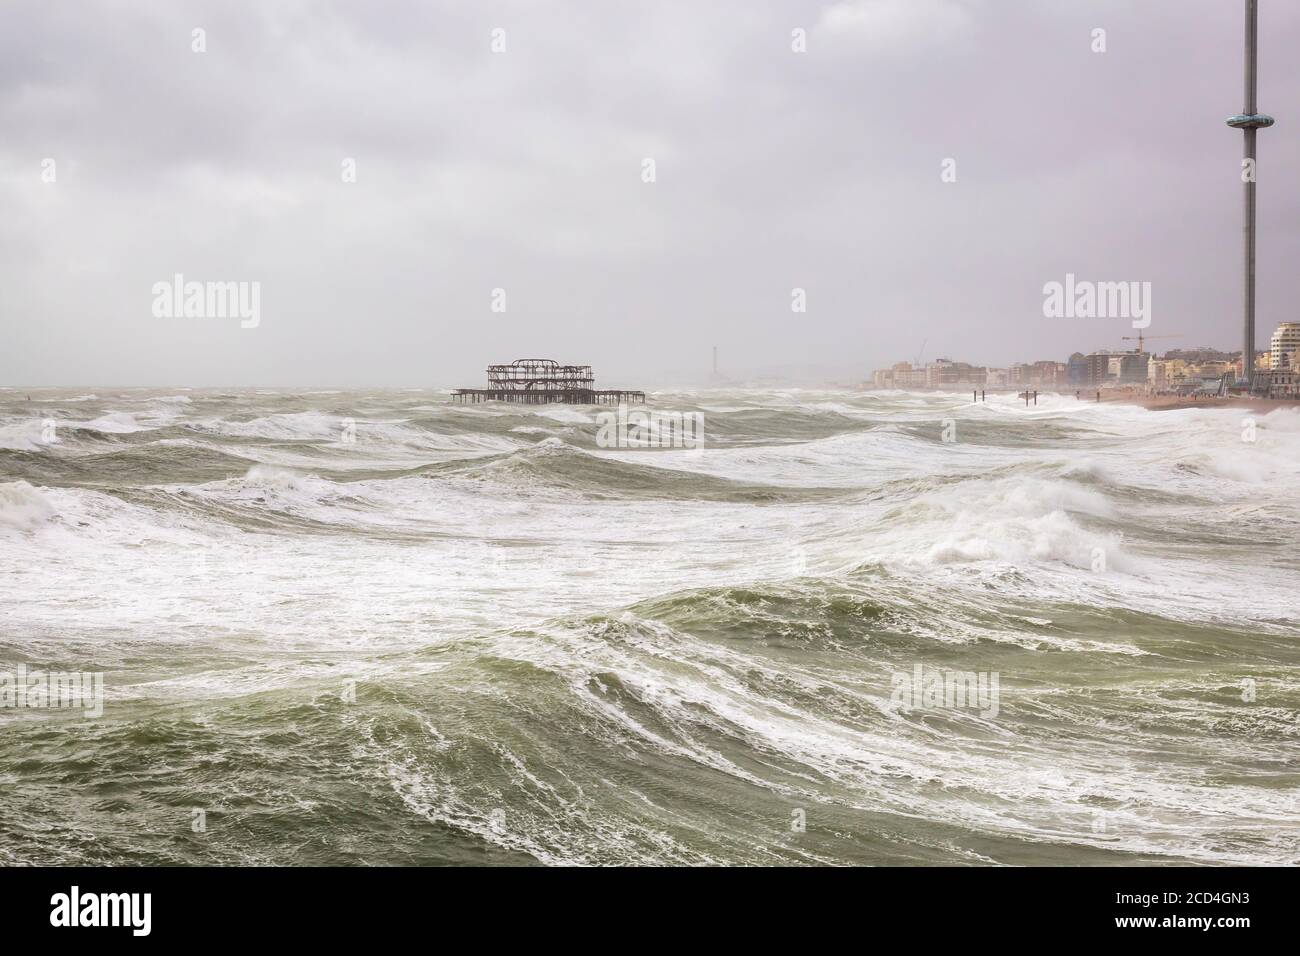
(1141, 340)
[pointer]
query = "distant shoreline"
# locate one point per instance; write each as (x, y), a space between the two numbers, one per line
(1155, 403)
(1158, 403)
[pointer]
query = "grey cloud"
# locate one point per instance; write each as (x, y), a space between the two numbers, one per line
(522, 170)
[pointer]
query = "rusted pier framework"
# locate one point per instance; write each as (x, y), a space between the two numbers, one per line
(544, 381)
(567, 396)
(540, 374)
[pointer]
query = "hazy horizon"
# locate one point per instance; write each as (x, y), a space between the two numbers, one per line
(522, 170)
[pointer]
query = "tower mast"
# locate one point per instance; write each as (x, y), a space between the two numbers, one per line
(1250, 121)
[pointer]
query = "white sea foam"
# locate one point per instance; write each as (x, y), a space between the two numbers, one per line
(22, 434)
(740, 618)
(23, 507)
(114, 423)
(300, 425)
(570, 416)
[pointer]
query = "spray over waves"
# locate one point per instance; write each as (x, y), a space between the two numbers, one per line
(409, 631)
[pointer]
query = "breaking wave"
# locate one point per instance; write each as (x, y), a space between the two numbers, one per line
(565, 653)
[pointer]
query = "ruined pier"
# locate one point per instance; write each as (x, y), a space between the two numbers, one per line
(544, 381)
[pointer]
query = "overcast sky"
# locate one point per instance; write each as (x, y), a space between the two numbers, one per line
(522, 170)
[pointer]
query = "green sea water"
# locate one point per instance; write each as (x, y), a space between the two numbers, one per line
(376, 628)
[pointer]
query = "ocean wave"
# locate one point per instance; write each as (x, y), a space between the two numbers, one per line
(564, 653)
(288, 426)
(23, 435)
(1011, 519)
(114, 423)
(23, 507)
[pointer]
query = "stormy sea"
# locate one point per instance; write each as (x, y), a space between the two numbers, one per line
(833, 627)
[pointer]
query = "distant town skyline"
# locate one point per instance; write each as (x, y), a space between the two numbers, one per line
(1181, 370)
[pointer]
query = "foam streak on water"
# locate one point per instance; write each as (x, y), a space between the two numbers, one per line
(375, 627)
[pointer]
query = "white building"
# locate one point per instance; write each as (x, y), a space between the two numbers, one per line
(1286, 342)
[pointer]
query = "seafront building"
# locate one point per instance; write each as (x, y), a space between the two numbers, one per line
(1282, 376)
(1076, 371)
(945, 373)
(1166, 373)
(1284, 383)
(901, 375)
(1284, 346)
(1108, 367)
(1198, 370)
